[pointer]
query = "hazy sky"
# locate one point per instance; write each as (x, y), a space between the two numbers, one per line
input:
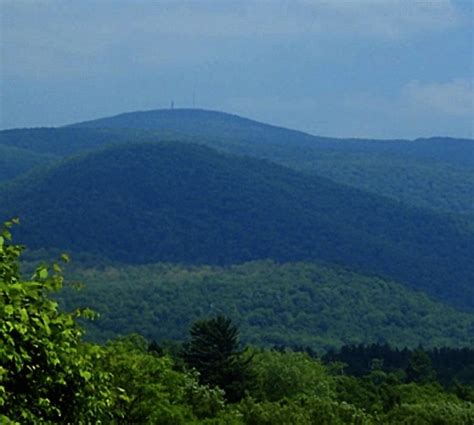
(380, 68)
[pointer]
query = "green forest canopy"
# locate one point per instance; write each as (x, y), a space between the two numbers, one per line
(48, 375)
(289, 304)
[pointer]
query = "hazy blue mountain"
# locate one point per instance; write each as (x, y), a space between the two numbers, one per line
(186, 203)
(215, 126)
(435, 173)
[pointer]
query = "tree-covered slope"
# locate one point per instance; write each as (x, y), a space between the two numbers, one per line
(49, 375)
(249, 136)
(274, 304)
(63, 142)
(16, 161)
(211, 125)
(433, 185)
(435, 173)
(186, 203)
(215, 126)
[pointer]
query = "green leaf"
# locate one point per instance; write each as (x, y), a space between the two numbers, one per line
(24, 315)
(85, 374)
(43, 273)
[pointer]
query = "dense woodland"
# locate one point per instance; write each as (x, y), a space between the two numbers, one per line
(433, 173)
(230, 272)
(290, 304)
(49, 375)
(186, 203)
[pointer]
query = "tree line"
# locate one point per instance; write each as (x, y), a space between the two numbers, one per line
(48, 374)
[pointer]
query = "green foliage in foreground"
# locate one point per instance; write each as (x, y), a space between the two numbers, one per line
(148, 390)
(48, 375)
(273, 304)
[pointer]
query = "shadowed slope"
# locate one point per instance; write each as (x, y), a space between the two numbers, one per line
(186, 203)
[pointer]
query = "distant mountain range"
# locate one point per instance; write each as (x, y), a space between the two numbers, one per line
(219, 126)
(300, 239)
(435, 173)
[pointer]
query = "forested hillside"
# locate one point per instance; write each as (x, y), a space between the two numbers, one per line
(293, 304)
(435, 185)
(178, 242)
(16, 161)
(64, 141)
(50, 375)
(162, 264)
(186, 203)
(435, 173)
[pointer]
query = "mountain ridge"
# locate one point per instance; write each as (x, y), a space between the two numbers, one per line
(436, 173)
(206, 113)
(187, 203)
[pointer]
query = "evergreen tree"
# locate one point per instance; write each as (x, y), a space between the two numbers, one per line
(420, 368)
(214, 352)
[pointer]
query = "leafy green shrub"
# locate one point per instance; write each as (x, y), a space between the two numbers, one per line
(149, 391)
(289, 374)
(46, 373)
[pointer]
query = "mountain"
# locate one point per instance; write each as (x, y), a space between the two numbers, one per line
(273, 304)
(435, 173)
(218, 126)
(204, 124)
(186, 203)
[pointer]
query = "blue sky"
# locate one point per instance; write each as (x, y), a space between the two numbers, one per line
(360, 68)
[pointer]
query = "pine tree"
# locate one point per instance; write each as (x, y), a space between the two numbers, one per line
(214, 352)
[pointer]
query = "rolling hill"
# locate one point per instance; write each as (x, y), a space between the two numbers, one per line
(227, 129)
(435, 173)
(215, 126)
(185, 203)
